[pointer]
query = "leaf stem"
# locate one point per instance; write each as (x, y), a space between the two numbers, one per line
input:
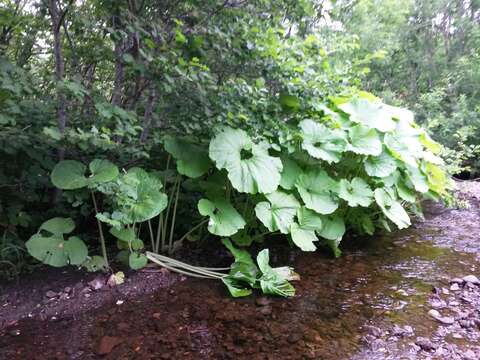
(100, 231)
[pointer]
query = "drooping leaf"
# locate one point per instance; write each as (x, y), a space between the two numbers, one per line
(271, 282)
(321, 142)
(371, 114)
(418, 179)
(249, 166)
(333, 230)
(380, 166)
(69, 175)
(192, 160)
(239, 254)
(364, 141)
(317, 191)
(95, 263)
(55, 251)
(304, 238)
(236, 288)
(290, 173)
(124, 234)
(392, 208)
(225, 220)
(309, 220)
(401, 149)
(279, 212)
(356, 192)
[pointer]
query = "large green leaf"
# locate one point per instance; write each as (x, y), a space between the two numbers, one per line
(371, 114)
(309, 220)
(318, 191)
(392, 208)
(192, 160)
(380, 166)
(124, 234)
(224, 218)
(55, 251)
(137, 261)
(58, 226)
(140, 198)
(418, 179)
(356, 192)
(69, 175)
(401, 149)
(250, 168)
(321, 142)
(364, 141)
(279, 212)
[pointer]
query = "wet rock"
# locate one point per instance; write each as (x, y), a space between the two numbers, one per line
(447, 320)
(425, 344)
(471, 279)
(401, 331)
(107, 343)
(96, 284)
(266, 310)
(373, 330)
(456, 281)
(454, 287)
(438, 303)
(51, 294)
(469, 355)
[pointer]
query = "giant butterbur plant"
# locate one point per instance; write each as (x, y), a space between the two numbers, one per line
(351, 164)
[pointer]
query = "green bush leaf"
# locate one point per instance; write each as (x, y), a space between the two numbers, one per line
(95, 263)
(253, 172)
(192, 160)
(356, 193)
(224, 218)
(371, 114)
(272, 282)
(364, 141)
(124, 234)
(290, 173)
(391, 208)
(304, 238)
(279, 212)
(380, 166)
(56, 251)
(317, 191)
(321, 142)
(333, 230)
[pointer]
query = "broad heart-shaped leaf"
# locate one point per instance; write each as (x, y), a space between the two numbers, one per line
(290, 173)
(317, 191)
(102, 171)
(279, 212)
(271, 282)
(333, 230)
(321, 142)
(356, 193)
(254, 172)
(58, 226)
(392, 208)
(224, 218)
(57, 252)
(192, 160)
(309, 220)
(140, 198)
(137, 261)
(364, 141)
(401, 148)
(304, 238)
(380, 166)
(371, 114)
(69, 175)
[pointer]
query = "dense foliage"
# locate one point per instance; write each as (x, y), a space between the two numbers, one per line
(163, 122)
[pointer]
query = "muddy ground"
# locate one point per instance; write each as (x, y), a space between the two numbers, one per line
(393, 296)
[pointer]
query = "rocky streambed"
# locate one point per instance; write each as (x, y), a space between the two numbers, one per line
(413, 294)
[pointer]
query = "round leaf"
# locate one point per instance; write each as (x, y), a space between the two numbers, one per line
(371, 114)
(69, 175)
(380, 166)
(392, 209)
(102, 171)
(224, 218)
(192, 160)
(364, 141)
(58, 226)
(253, 172)
(356, 193)
(279, 212)
(303, 238)
(137, 261)
(317, 190)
